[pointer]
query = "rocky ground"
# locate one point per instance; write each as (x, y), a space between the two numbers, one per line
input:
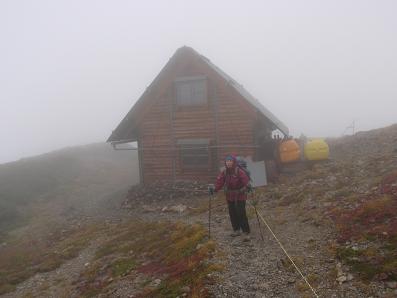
(56, 283)
(306, 210)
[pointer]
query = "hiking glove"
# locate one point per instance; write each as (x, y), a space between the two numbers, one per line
(211, 189)
(242, 190)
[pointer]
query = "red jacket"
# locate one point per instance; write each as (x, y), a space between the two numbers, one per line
(234, 181)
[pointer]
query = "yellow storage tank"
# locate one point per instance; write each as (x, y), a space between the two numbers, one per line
(289, 151)
(316, 149)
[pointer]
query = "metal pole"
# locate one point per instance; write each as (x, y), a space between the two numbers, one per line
(209, 216)
(259, 223)
(257, 217)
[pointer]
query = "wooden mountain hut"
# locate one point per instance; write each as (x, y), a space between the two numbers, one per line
(190, 117)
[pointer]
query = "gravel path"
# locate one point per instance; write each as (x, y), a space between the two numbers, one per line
(259, 268)
(56, 283)
(252, 269)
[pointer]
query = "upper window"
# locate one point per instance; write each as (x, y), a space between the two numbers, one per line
(191, 91)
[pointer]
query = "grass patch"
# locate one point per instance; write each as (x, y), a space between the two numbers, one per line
(176, 253)
(346, 253)
(202, 207)
(6, 288)
(373, 222)
(31, 254)
(298, 260)
(122, 266)
(370, 263)
(354, 258)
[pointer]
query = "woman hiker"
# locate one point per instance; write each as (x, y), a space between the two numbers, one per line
(234, 180)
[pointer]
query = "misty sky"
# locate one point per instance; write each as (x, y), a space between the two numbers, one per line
(70, 70)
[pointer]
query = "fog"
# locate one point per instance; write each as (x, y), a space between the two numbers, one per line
(70, 70)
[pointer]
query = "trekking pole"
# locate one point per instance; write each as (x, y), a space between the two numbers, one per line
(209, 216)
(210, 193)
(254, 202)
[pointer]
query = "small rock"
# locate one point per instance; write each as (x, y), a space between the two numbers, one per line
(156, 282)
(341, 279)
(330, 260)
(391, 284)
(149, 208)
(185, 289)
(349, 277)
(178, 208)
(291, 280)
(339, 271)
(332, 178)
(264, 286)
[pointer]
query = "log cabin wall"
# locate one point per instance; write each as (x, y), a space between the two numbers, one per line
(226, 119)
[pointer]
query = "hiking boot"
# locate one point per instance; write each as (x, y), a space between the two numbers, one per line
(246, 237)
(235, 233)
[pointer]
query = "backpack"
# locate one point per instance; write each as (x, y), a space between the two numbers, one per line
(242, 165)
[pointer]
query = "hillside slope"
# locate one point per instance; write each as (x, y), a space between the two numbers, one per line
(377, 142)
(69, 179)
(352, 198)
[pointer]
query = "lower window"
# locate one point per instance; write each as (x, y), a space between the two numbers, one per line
(194, 153)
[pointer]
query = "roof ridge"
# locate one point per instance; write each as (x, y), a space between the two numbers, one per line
(246, 94)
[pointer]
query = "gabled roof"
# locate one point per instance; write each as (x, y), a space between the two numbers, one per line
(123, 130)
(252, 100)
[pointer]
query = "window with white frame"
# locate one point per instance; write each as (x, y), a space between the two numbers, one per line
(191, 91)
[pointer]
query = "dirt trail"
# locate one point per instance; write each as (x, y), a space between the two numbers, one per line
(56, 283)
(261, 269)
(252, 269)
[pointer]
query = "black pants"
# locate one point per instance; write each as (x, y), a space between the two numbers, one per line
(238, 216)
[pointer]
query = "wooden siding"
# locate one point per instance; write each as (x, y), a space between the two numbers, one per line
(162, 123)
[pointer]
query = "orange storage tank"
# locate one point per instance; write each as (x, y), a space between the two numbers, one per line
(289, 151)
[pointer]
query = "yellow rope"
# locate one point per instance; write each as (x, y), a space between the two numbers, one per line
(278, 241)
(286, 253)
